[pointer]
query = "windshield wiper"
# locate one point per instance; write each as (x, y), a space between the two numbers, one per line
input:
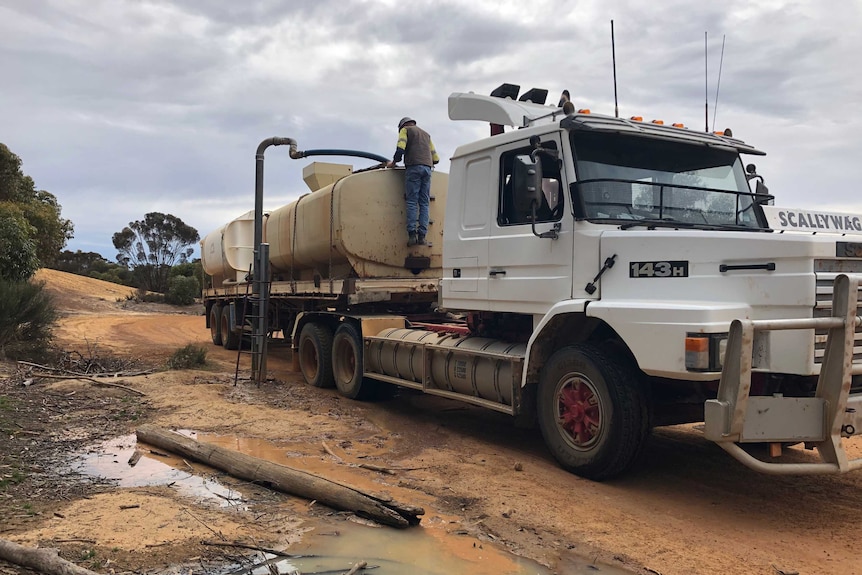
(670, 223)
(662, 223)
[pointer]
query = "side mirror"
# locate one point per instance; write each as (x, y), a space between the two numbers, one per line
(526, 183)
(762, 193)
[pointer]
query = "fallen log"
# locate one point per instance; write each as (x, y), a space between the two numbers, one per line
(42, 560)
(284, 478)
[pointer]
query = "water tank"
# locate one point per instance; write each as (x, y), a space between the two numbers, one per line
(355, 227)
(227, 252)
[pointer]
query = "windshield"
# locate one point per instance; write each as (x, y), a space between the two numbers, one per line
(634, 178)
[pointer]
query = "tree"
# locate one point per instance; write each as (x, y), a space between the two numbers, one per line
(49, 231)
(81, 263)
(152, 245)
(18, 259)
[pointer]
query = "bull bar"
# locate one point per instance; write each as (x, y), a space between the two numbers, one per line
(821, 421)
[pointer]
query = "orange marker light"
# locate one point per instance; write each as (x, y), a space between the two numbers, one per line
(637, 118)
(679, 125)
(584, 111)
(659, 122)
(696, 344)
(697, 353)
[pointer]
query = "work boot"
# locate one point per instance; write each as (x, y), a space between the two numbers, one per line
(412, 240)
(420, 240)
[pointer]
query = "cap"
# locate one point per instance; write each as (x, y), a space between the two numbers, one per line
(405, 120)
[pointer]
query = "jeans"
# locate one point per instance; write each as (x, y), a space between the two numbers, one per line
(417, 191)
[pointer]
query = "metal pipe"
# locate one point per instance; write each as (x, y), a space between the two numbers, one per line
(260, 265)
(821, 468)
(801, 323)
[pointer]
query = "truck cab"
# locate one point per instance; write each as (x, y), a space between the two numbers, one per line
(635, 244)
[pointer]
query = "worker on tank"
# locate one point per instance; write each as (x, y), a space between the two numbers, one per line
(417, 149)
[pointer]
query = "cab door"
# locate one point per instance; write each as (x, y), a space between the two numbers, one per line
(526, 273)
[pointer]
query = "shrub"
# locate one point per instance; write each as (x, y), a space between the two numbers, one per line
(182, 290)
(27, 315)
(188, 357)
(18, 259)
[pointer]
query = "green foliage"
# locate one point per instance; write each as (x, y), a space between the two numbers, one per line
(188, 357)
(48, 230)
(17, 249)
(192, 269)
(153, 245)
(81, 263)
(182, 290)
(17, 476)
(27, 315)
(92, 264)
(117, 275)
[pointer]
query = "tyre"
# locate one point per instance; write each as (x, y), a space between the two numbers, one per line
(215, 324)
(347, 365)
(229, 338)
(315, 354)
(592, 412)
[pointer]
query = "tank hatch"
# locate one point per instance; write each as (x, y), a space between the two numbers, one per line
(318, 175)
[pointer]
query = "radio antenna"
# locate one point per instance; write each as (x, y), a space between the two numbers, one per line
(705, 84)
(718, 86)
(614, 59)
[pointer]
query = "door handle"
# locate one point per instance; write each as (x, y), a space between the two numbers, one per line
(497, 272)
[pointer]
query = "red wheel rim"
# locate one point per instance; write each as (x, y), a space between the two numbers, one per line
(579, 412)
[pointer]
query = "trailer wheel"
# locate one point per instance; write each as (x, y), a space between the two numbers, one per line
(229, 338)
(347, 365)
(215, 324)
(315, 354)
(592, 412)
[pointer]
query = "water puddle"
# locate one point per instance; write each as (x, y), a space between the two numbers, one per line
(109, 461)
(440, 545)
(427, 550)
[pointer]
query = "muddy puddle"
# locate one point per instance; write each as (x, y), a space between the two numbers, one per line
(440, 545)
(109, 461)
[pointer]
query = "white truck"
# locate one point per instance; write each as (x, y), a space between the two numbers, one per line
(598, 275)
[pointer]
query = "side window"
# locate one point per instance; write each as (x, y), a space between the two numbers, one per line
(512, 212)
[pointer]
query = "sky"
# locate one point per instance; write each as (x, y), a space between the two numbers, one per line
(124, 107)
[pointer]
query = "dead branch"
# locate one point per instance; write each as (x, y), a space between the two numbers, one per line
(136, 456)
(92, 380)
(355, 569)
(46, 561)
(330, 452)
(285, 479)
(247, 546)
(377, 468)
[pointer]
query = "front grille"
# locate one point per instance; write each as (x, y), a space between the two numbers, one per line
(826, 271)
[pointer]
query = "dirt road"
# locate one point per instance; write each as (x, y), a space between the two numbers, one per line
(690, 509)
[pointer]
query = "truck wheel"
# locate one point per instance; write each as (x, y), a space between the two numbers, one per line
(315, 354)
(347, 366)
(229, 338)
(215, 324)
(592, 412)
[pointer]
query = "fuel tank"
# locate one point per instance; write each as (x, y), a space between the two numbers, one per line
(474, 366)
